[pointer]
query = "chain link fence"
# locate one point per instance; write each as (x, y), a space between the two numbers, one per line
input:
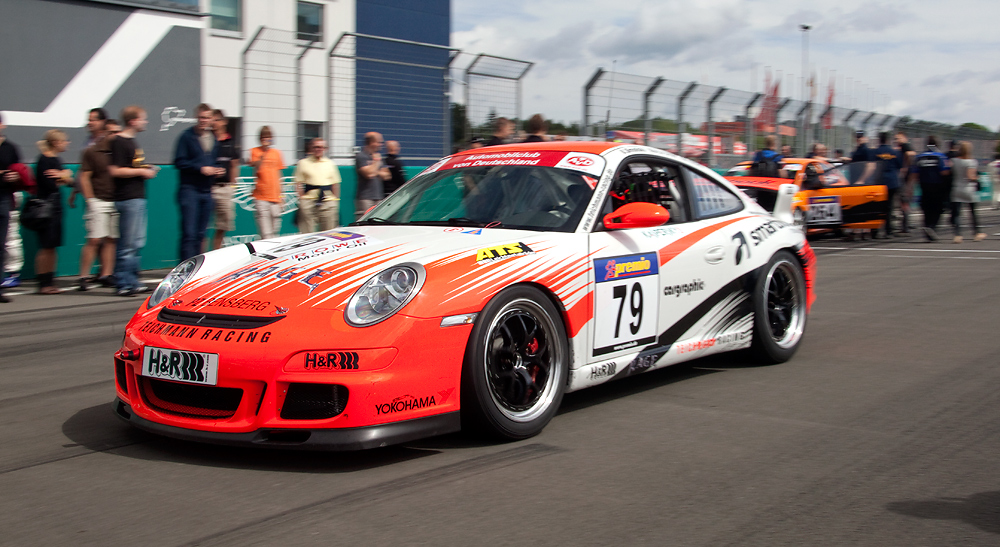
(492, 90)
(272, 88)
(396, 87)
(721, 127)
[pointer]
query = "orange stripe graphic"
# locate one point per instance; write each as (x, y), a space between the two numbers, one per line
(670, 251)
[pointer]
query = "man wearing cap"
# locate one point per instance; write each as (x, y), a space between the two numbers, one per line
(933, 170)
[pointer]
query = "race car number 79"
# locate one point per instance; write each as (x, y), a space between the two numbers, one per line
(625, 303)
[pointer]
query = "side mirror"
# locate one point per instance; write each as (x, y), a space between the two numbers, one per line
(783, 203)
(636, 215)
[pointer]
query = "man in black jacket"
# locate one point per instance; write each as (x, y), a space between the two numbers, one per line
(195, 159)
(397, 175)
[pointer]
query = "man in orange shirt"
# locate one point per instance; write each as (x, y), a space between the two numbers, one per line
(267, 164)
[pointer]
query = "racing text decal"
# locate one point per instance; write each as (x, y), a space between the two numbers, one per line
(501, 252)
(201, 333)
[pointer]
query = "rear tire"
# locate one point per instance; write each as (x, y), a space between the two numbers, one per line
(516, 365)
(779, 300)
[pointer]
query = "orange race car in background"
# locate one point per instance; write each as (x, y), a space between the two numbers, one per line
(830, 197)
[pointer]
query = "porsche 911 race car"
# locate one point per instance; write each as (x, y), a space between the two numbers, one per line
(473, 297)
(847, 196)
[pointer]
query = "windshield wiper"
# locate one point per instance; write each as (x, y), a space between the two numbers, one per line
(371, 221)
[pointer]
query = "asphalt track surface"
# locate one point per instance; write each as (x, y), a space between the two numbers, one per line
(884, 429)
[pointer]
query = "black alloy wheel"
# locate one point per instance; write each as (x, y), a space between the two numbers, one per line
(516, 365)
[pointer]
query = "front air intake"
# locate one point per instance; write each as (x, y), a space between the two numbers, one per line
(313, 401)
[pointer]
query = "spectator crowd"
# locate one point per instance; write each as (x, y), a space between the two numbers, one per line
(947, 180)
(112, 180)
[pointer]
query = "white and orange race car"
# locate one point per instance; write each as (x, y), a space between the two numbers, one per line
(474, 297)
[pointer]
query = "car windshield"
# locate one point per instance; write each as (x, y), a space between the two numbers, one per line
(517, 197)
(787, 171)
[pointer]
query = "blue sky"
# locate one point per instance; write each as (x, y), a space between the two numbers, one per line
(929, 60)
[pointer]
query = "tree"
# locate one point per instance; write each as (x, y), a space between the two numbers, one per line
(976, 126)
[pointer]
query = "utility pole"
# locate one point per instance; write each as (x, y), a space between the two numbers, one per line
(806, 98)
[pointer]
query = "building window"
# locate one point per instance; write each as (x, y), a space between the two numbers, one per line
(310, 21)
(307, 132)
(226, 15)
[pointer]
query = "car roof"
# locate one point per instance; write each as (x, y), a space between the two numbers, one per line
(590, 147)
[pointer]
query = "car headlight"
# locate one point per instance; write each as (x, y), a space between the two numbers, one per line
(177, 277)
(384, 294)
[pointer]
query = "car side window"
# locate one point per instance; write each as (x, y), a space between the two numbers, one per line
(712, 199)
(647, 182)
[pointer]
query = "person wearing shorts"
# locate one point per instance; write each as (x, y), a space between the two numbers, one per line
(267, 164)
(228, 158)
(101, 216)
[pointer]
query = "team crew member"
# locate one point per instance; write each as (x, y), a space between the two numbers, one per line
(130, 171)
(892, 162)
(101, 218)
(268, 164)
(932, 169)
(862, 152)
(227, 158)
(766, 162)
(317, 183)
(371, 173)
(194, 158)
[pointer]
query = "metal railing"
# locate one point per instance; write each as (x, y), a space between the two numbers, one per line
(721, 126)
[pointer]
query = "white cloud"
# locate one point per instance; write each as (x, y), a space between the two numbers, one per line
(925, 59)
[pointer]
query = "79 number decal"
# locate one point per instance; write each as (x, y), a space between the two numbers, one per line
(635, 307)
(623, 318)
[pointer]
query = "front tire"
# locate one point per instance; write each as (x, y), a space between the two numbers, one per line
(516, 365)
(779, 300)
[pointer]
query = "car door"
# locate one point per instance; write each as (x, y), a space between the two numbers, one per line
(627, 284)
(851, 195)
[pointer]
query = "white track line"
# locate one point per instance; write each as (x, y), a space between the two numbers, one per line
(906, 250)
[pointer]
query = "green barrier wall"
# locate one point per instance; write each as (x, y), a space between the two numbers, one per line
(163, 231)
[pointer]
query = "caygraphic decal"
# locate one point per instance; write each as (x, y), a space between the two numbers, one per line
(684, 288)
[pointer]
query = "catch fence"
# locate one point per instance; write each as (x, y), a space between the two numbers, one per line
(720, 127)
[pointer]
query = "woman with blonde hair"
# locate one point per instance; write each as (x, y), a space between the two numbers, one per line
(964, 188)
(50, 175)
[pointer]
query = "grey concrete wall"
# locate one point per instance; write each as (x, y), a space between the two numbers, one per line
(47, 42)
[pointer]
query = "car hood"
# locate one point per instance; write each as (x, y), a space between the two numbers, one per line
(322, 270)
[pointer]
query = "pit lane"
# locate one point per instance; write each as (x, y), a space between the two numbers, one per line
(882, 430)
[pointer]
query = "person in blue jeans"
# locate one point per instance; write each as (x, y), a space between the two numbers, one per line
(130, 171)
(892, 162)
(195, 159)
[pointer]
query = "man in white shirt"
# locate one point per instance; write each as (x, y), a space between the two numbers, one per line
(317, 183)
